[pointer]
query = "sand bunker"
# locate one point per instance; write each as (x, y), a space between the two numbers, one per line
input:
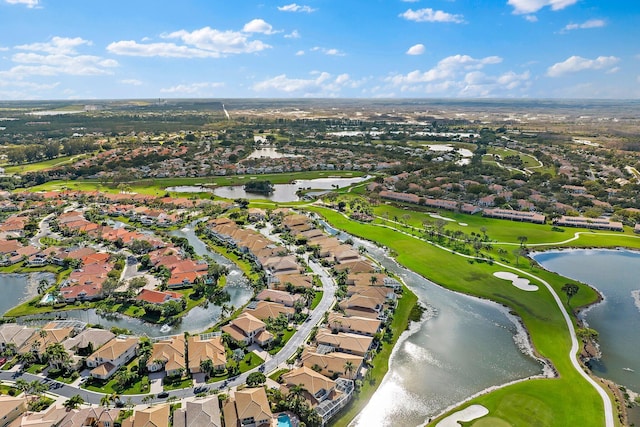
(463, 224)
(436, 216)
(466, 415)
(518, 282)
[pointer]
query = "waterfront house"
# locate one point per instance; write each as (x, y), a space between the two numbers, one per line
(114, 354)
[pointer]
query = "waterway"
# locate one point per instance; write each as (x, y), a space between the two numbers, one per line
(198, 318)
(462, 346)
(281, 192)
(18, 288)
(616, 274)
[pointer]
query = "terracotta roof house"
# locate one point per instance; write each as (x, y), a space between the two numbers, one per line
(282, 265)
(247, 408)
(267, 309)
(169, 355)
(317, 387)
(299, 281)
(246, 328)
(157, 297)
(50, 417)
(154, 416)
(49, 334)
(206, 348)
(354, 324)
(345, 342)
(198, 413)
(281, 297)
(332, 364)
(114, 354)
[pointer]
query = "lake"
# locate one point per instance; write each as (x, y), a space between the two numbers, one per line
(270, 152)
(18, 288)
(616, 274)
(281, 192)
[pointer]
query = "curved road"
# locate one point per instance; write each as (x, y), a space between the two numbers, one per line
(298, 339)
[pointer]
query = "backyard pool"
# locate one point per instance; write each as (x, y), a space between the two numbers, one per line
(284, 421)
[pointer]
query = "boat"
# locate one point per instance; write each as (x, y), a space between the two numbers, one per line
(628, 369)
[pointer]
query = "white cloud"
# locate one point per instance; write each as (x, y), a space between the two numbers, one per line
(460, 75)
(4, 49)
(132, 82)
(203, 88)
(323, 84)
(29, 3)
(521, 7)
(293, 35)
(574, 64)
(202, 43)
(293, 7)
(592, 23)
(51, 65)
(430, 15)
(330, 52)
(58, 56)
(300, 53)
(258, 26)
(57, 45)
(416, 49)
(531, 18)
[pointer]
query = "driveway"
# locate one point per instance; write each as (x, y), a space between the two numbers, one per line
(155, 381)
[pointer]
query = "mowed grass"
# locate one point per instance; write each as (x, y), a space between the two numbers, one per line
(40, 166)
(554, 399)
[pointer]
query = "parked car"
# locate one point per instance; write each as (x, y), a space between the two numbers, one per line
(163, 394)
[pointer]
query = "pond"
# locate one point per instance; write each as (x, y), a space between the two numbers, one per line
(615, 273)
(288, 192)
(270, 152)
(18, 288)
(198, 318)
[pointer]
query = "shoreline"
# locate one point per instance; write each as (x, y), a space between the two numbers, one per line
(522, 337)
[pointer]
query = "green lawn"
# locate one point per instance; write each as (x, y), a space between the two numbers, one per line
(316, 300)
(40, 166)
(35, 368)
(556, 398)
(287, 336)
(185, 383)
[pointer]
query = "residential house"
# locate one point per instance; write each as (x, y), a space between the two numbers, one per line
(168, 354)
(332, 364)
(266, 309)
(15, 335)
(11, 408)
(198, 413)
(247, 329)
(94, 417)
(157, 297)
(110, 357)
(345, 342)
(206, 347)
(281, 297)
(354, 324)
(86, 342)
(247, 408)
(51, 333)
(153, 416)
(51, 416)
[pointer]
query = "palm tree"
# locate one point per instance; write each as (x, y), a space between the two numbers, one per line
(37, 387)
(23, 386)
(348, 367)
(43, 285)
(57, 356)
(105, 401)
(206, 366)
(27, 358)
(373, 280)
(73, 402)
(296, 394)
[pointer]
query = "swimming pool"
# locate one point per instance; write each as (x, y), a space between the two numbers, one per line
(284, 421)
(48, 299)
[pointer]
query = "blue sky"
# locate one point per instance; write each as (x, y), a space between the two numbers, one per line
(85, 49)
